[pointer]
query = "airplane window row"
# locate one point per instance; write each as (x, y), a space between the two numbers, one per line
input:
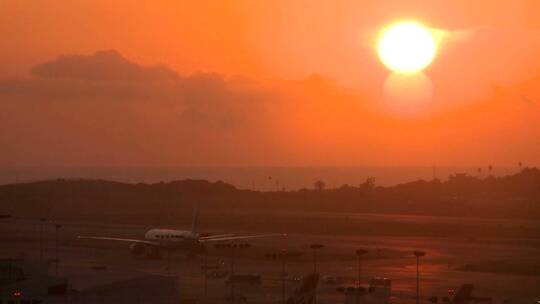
(169, 236)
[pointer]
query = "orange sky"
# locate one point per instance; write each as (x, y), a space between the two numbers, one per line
(264, 107)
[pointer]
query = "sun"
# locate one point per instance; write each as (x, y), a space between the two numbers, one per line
(406, 47)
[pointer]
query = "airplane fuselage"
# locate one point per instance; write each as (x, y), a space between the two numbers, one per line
(174, 239)
(155, 240)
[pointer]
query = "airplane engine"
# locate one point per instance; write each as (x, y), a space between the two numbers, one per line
(153, 253)
(138, 250)
(144, 251)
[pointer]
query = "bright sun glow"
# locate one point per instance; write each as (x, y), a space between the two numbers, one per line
(406, 47)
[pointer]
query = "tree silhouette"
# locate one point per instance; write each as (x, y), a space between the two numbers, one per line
(369, 184)
(319, 185)
(513, 196)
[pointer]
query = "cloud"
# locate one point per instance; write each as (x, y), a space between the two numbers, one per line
(202, 99)
(120, 113)
(101, 66)
(104, 105)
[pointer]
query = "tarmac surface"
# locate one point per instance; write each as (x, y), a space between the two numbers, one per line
(501, 268)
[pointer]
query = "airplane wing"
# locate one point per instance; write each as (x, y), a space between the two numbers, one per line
(215, 236)
(238, 237)
(464, 294)
(104, 238)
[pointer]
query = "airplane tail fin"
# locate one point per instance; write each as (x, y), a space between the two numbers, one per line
(463, 294)
(195, 223)
(305, 293)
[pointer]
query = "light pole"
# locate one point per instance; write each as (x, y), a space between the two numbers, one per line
(233, 255)
(359, 254)
(283, 254)
(232, 246)
(57, 227)
(168, 259)
(41, 222)
(418, 254)
(315, 247)
(205, 261)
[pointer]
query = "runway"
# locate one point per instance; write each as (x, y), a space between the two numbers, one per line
(89, 264)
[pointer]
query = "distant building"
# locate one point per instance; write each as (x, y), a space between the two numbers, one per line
(28, 281)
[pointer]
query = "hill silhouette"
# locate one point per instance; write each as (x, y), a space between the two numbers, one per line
(511, 196)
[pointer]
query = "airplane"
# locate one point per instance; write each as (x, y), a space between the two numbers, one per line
(464, 296)
(305, 293)
(172, 239)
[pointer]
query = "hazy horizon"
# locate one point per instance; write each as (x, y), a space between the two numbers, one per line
(257, 178)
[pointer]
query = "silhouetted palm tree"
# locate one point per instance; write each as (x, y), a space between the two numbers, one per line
(319, 185)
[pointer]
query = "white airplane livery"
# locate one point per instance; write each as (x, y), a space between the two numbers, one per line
(171, 239)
